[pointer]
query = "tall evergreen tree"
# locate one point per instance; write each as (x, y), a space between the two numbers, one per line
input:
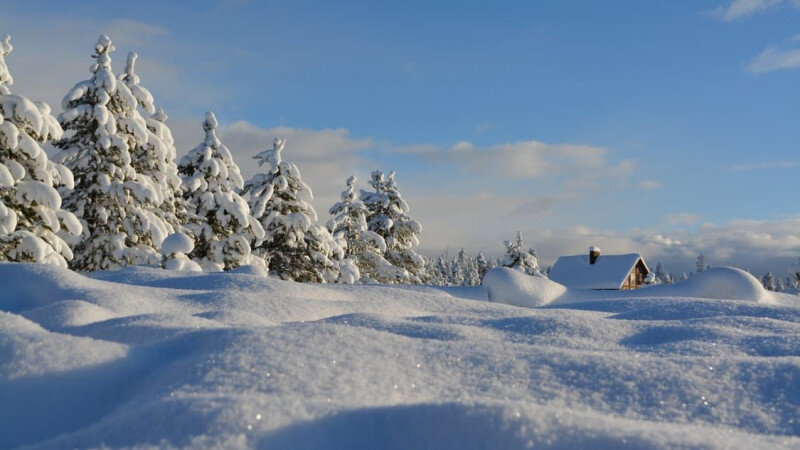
(114, 203)
(659, 273)
(363, 246)
(222, 226)
(388, 217)
(768, 280)
(439, 271)
(30, 206)
(296, 247)
(155, 157)
(701, 263)
(459, 269)
(520, 259)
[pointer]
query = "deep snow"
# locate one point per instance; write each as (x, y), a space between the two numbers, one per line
(152, 357)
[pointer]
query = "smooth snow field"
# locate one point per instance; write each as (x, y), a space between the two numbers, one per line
(149, 357)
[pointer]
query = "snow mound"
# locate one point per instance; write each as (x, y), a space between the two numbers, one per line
(68, 313)
(150, 358)
(28, 349)
(723, 283)
(177, 243)
(251, 269)
(516, 288)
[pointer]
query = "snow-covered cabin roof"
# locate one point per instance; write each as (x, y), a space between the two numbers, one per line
(608, 272)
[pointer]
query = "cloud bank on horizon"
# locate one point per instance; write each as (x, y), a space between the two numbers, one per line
(605, 146)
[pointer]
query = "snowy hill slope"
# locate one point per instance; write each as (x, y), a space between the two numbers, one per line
(150, 357)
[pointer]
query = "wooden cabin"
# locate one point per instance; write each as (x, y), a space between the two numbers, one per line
(606, 272)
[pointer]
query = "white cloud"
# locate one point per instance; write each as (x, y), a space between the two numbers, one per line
(758, 245)
(528, 159)
(325, 157)
(740, 9)
(775, 58)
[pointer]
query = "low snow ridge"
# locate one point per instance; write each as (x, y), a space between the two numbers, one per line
(154, 358)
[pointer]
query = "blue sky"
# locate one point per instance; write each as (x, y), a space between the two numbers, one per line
(668, 128)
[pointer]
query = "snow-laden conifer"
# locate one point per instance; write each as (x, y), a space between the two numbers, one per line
(114, 203)
(701, 263)
(363, 246)
(388, 217)
(438, 271)
(222, 226)
(296, 247)
(768, 280)
(517, 257)
(482, 266)
(30, 206)
(469, 269)
(155, 157)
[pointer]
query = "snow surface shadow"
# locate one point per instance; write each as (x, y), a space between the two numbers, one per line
(132, 330)
(527, 328)
(411, 330)
(667, 335)
(444, 426)
(38, 407)
(700, 309)
(402, 427)
(770, 346)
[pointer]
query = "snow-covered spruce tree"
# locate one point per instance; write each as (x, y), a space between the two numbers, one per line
(768, 281)
(363, 246)
(460, 269)
(483, 266)
(440, 271)
(701, 263)
(113, 202)
(659, 274)
(155, 157)
(222, 226)
(30, 206)
(472, 276)
(296, 247)
(388, 217)
(520, 259)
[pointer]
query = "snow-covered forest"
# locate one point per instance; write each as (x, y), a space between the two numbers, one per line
(114, 194)
(117, 192)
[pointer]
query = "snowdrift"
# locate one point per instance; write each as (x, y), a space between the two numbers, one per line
(726, 283)
(513, 287)
(147, 357)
